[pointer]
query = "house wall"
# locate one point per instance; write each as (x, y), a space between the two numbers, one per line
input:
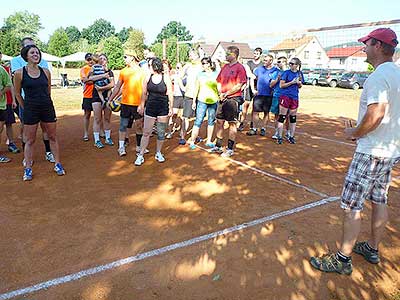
(349, 64)
(219, 53)
(313, 55)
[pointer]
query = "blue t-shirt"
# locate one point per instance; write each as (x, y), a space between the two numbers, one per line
(293, 90)
(277, 88)
(264, 77)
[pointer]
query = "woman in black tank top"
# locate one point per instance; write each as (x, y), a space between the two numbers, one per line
(156, 105)
(38, 106)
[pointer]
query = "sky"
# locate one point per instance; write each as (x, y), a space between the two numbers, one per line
(213, 20)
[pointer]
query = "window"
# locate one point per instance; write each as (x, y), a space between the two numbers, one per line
(354, 61)
(341, 61)
(319, 54)
(306, 54)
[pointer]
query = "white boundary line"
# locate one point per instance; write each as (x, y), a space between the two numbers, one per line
(159, 251)
(287, 181)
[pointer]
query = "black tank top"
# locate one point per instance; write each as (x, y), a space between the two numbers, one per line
(36, 89)
(157, 92)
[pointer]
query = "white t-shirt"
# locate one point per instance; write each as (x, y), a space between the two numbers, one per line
(191, 72)
(382, 86)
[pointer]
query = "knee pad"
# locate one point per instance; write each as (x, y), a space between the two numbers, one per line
(161, 127)
(123, 124)
(292, 119)
(282, 118)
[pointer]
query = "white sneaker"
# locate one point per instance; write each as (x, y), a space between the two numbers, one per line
(121, 152)
(138, 150)
(227, 153)
(50, 157)
(159, 157)
(139, 160)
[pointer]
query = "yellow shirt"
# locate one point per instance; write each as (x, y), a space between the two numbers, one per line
(132, 79)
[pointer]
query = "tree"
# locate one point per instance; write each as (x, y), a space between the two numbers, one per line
(123, 35)
(135, 42)
(9, 43)
(22, 24)
(59, 43)
(73, 33)
(174, 29)
(171, 51)
(99, 30)
(114, 51)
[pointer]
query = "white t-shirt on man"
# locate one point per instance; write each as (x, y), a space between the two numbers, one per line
(382, 86)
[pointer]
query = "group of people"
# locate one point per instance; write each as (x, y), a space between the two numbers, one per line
(151, 97)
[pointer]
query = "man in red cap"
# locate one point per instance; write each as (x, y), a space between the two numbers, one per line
(378, 149)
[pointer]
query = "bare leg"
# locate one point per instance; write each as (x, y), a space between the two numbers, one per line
(292, 126)
(51, 131)
(378, 223)
(147, 128)
(282, 111)
(232, 131)
(97, 111)
(351, 229)
(86, 122)
(29, 138)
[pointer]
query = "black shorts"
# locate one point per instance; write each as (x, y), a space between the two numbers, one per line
(262, 103)
(156, 109)
(3, 115)
(35, 113)
(229, 109)
(10, 115)
(188, 112)
(178, 102)
(87, 104)
(130, 112)
(247, 95)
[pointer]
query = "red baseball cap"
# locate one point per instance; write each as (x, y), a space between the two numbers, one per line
(386, 35)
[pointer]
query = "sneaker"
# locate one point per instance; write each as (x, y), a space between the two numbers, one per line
(370, 256)
(331, 263)
(109, 142)
(262, 132)
(27, 174)
(275, 136)
(279, 140)
(4, 159)
(58, 168)
(159, 157)
(216, 149)
(252, 131)
(287, 136)
(168, 135)
(182, 141)
(138, 150)
(241, 127)
(50, 157)
(139, 160)
(13, 148)
(198, 140)
(210, 145)
(85, 138)
(99, 145)
(192, 146)
(292, 140)
(227, 153)
(121, 152)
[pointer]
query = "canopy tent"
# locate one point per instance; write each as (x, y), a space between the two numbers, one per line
(50, 57)
(78, 56)
(6, 57)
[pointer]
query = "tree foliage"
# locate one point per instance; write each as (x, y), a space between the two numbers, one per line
(112, 47)
(59, 44)
(174, 29)
(123, 35)
(9, 44)
(99, 30)
(22, 24)
(135, 41)
(172, 51)
(73, 33)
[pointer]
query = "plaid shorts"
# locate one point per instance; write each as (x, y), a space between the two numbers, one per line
(368, 178)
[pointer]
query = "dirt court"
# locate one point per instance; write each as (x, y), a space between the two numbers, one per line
(105, 209)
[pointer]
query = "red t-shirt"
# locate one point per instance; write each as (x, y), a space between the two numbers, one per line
(8, 93)
(230, 75)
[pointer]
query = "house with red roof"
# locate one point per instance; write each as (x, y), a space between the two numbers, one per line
(219, 52)
(347, 57)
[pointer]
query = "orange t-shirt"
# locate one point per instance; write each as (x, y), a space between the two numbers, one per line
(87, 87)
(132, 79)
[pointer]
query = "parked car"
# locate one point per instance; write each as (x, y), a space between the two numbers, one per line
(311, 76)
(353, 80)
(330, 77)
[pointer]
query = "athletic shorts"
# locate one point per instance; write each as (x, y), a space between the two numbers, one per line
(288, 103)
(262, 103)
(368, 178)
(229, 109)
(35, 113)
(10, 115)
(3, 115)
(156, 109)
(130, 112)
(188, 112)
(275, 106)
(87, 104)
(178, 102)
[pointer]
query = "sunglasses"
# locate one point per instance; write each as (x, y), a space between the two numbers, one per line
(204, 63)
(292, 63)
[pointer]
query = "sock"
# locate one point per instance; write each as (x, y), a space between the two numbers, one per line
(230, 144)
(219, 142)
(47, 145)
(23, 146)
(108, 134)
(121, 144)
(369, 248)
(342, 257)
(138, 139)
(251, 124)
(96, 136)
